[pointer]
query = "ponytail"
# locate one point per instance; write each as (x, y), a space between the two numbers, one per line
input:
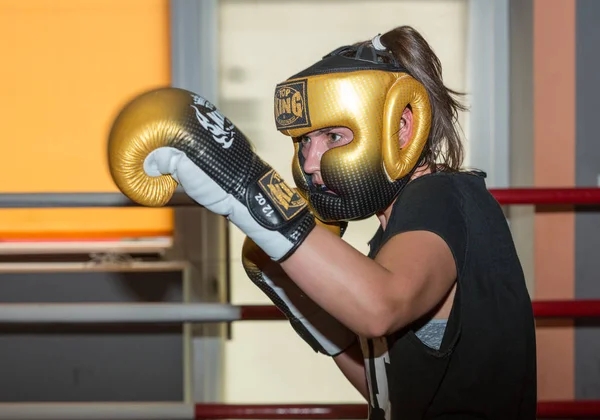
(444, 149)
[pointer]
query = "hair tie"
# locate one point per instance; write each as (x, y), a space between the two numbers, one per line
(376, 42)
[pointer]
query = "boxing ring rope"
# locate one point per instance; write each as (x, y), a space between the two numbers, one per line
(89, 313)
(114, 313)
(540, 196)
(541, 309)
(80, 200)
(182, 411)
(505, 196)
(169, 313)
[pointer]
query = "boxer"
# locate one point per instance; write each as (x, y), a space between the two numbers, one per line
(436, 321)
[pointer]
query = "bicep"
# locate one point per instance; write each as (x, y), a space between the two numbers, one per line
(423, 273)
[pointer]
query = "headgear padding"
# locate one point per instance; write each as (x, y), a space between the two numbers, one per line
(367, 91)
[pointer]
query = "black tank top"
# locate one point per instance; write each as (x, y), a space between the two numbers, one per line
(485, 367)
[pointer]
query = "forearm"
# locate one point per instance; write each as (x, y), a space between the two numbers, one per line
(347, 284)
(351, 363)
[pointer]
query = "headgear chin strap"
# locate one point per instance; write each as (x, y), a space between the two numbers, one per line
(366, 90)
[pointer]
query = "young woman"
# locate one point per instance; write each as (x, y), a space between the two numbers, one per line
(436, 322)
(441, 306)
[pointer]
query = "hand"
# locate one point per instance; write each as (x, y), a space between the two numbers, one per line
(314, 325)
(169, 136)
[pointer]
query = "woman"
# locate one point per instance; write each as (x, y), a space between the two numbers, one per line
(436, 322)
(441, 306)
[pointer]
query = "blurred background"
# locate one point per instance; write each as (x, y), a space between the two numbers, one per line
(528, 68)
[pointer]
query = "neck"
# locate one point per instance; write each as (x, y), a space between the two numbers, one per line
(384, 216)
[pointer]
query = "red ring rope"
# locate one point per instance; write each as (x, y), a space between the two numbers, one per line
(281, 411)
(546, 409)
(541, 309)
(582, 409)
(582, 308)
(565, 196)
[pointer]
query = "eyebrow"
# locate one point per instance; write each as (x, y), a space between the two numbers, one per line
(325, 130)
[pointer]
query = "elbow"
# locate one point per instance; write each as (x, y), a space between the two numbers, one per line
(384, 319)
(374, 330)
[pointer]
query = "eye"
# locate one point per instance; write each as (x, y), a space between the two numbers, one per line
(304, 140)
(335, 137)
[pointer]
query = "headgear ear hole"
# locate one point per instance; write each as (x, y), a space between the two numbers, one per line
(405, 91)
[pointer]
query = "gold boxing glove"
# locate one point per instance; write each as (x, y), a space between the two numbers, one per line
(171, 136)
(314, 325)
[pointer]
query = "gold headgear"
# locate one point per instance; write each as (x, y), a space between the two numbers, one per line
(366, 90)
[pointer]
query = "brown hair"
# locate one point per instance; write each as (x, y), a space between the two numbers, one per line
(444, 149)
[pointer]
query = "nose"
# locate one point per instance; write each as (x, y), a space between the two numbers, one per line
(313, 152)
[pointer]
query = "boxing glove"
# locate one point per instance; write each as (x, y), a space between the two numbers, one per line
(171, 136)
(313, 324)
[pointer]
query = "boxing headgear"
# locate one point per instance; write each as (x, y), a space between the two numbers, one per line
(366, 90)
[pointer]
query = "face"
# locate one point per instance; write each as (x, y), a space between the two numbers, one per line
(351, 157)
(315, 144)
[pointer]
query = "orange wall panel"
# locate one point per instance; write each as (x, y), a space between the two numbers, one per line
(68, 66)
(554, 159)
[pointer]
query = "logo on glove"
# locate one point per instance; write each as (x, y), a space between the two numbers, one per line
(291, 110)
(286, 200)
(214, 122)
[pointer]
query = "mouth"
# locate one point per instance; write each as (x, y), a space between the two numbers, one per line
(322, 188)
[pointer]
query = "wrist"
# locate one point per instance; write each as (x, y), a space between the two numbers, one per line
(282, 216)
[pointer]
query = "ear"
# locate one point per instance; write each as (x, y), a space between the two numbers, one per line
(406, 127)
(399, 157)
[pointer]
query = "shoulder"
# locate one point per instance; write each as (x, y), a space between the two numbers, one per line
(440, 194)
(435, 203)
(441, 186)
(430, 195)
